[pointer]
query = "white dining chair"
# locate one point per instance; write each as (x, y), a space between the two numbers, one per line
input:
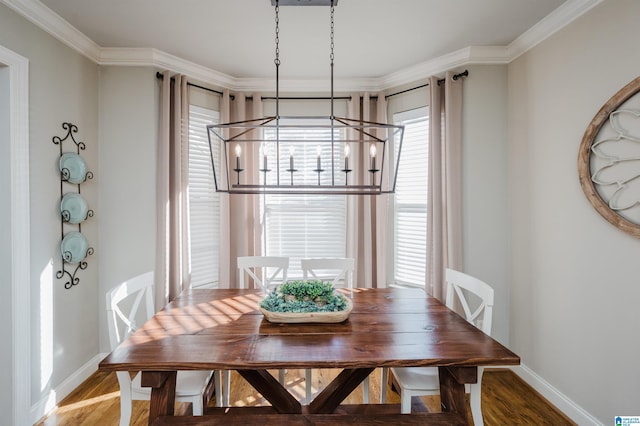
(257, 268)
(419, 381)
(130, 304)
(264, 271)
(338, 271)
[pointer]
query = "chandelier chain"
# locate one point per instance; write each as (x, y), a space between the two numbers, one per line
(277, 60)
(331, 56)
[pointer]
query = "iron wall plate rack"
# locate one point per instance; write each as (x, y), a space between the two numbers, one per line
(70, 181)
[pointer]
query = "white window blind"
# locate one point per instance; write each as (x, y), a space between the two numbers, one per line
(204, 201)
(410, 210)
(299, 226)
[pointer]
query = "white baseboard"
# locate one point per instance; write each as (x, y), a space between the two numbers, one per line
(557, 398)
(49, 401)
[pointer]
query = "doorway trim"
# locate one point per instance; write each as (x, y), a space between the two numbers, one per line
(20, 232)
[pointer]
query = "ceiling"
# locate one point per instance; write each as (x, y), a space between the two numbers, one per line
(373, 38)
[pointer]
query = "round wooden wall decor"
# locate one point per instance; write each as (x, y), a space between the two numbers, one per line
(609, 160)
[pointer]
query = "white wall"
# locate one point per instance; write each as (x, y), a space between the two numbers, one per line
(575, 289)
(63, 86)
(128, 134)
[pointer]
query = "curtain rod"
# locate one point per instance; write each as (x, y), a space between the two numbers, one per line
(303, 98)
(161, 77)
(465, 73)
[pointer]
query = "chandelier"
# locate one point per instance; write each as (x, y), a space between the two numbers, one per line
(305, 154)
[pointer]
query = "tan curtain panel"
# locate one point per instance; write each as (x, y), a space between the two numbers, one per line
(240, 225)
(444, 205)
(367, 214)
(172, 245)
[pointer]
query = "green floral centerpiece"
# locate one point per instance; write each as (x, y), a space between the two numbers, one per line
(305, 301)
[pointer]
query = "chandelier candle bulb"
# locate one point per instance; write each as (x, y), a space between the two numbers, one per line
(238, 152)
(347, 151)
(238, 169)
(318, 162)
(291, 152)
(263, 148)
(372, 152)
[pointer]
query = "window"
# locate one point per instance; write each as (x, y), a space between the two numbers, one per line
(296, 225)
(410, 209)
(204, 201)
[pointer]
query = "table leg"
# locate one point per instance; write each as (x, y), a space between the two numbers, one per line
(452, 391)
(332, 396)
(271, 389)
(163, 392)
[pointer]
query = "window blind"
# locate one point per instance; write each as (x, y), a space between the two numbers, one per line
(204, 201)
(410, 209)
(299, 226)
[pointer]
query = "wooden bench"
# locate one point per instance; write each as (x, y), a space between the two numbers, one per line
(435, 419)
(372, 414)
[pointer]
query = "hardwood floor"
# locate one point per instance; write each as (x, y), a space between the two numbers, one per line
(506, 399)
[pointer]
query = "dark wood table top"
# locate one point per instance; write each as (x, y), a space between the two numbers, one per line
(224, 329)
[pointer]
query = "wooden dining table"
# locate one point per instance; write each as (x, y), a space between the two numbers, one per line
(224, 329)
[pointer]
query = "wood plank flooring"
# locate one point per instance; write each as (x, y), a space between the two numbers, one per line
(506, 399)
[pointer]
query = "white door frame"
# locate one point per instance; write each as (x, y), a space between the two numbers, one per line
(20, 233)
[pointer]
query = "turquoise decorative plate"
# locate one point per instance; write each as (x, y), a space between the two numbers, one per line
(74, 247)
(73, 208)
(73, 168)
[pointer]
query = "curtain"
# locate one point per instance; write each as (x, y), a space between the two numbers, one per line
(172, 246)
(444, 205)
(367, 214)
(240, 224)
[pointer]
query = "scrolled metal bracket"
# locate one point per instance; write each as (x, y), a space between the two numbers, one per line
(73, 256)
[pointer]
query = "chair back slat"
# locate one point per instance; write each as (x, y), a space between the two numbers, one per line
(124, 304)
(256, 267)
(338, 270)
(461, 285)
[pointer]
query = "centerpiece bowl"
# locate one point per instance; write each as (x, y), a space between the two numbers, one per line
(310, 301)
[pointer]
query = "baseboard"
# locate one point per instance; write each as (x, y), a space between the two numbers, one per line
(557, 398)
(49, 401)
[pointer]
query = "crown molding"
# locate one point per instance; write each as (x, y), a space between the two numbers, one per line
(48, 20)
(558, 19)
(549, 25)
(52, 23)
(137, 57)
(459, 58)
(159, 59)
